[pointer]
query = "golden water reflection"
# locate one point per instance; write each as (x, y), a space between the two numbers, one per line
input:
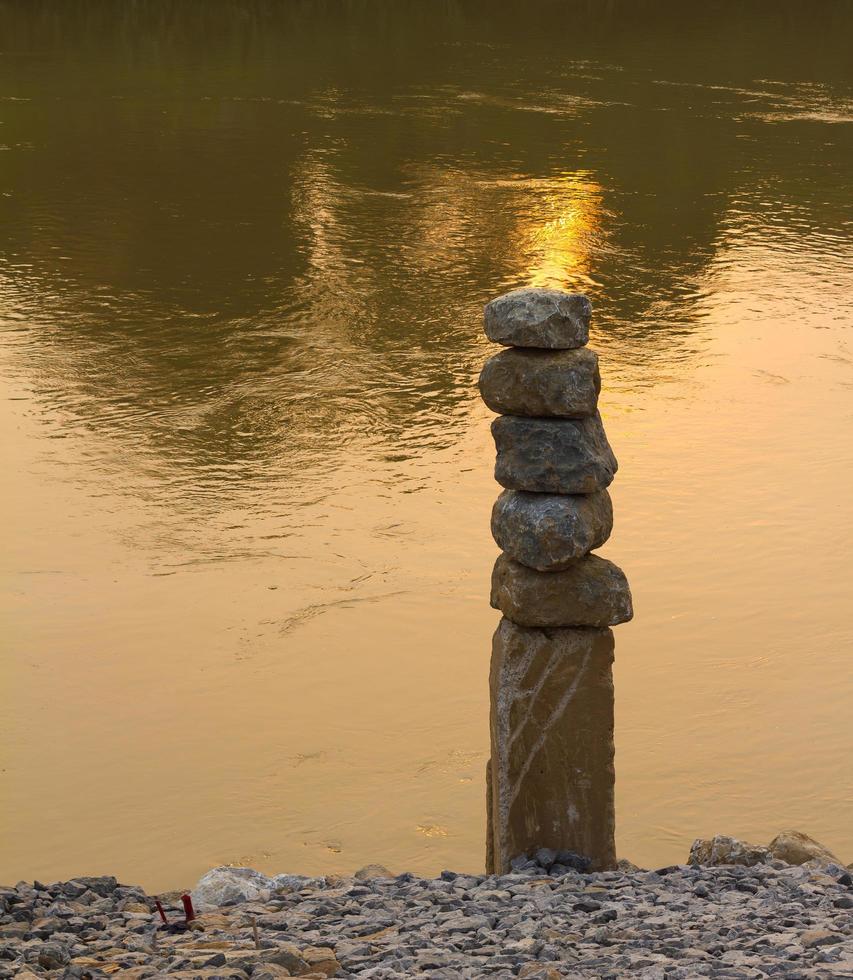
(561, 248)
(248, 477)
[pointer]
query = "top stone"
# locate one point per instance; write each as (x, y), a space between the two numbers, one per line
(548, 318)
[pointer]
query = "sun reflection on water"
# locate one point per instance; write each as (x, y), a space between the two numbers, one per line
(560, 250)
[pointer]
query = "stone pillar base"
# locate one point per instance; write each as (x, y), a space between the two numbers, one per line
(550, 779)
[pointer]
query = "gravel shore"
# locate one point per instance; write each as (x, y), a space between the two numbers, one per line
(772, 920)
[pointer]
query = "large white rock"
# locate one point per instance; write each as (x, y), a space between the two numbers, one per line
(795, 847)
(222, 885)
(727, 850)
(295, 883)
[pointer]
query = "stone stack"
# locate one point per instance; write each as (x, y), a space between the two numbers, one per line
(550, 778)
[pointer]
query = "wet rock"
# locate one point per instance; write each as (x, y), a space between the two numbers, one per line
(223, 885)
(552, 744)
(548, 531)
(372, 871)
(794, 847)
(553, 455)
(536, 317)
(560, 384)
(590, 592)
(726, 850)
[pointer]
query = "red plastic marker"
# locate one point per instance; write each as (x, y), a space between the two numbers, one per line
(162, 913)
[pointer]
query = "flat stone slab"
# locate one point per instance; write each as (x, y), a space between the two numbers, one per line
(548, 531)
(534, 317)
(592, 591)
(558, 383)
(553, 455)
(551, 726)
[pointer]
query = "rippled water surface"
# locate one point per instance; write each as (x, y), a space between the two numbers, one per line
(246, 475)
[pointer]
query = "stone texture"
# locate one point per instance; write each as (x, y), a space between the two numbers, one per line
(561, 384)
(794, 847)
(535, 317)
(270, 971)
(821, 937)
(590, 592)
(727, 850)
(551, 729)
(770, 920)
(224, 884)
(548, 531)
(553, 455)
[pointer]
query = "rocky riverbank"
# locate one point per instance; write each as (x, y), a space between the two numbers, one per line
(760, 918)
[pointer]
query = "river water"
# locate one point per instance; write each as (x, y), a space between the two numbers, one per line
(246, 476)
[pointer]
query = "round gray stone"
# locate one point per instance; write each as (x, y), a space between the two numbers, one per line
(534, 317)
(590, 592)
(553, 455)
(559, 383)
(548, 531)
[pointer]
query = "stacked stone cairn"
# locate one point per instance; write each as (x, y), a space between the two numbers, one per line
(550, 779)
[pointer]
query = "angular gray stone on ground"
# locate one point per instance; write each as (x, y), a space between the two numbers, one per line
(727, 850)
(794, 847)
(542, 383)
(548, 531)
(535, 317)
(590, 592)
(551, 727)
(553, 455)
